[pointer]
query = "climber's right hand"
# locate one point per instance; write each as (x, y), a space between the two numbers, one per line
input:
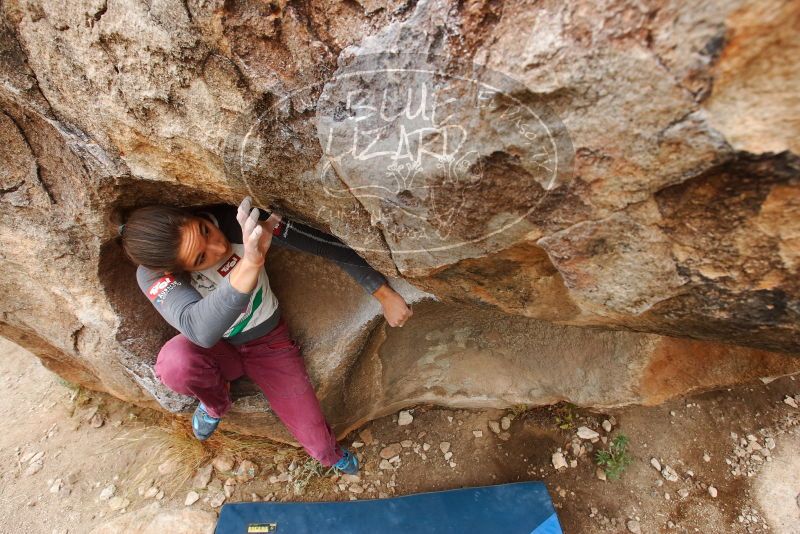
(255, 238)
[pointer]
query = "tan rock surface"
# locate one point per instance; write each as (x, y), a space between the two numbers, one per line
(670, 212)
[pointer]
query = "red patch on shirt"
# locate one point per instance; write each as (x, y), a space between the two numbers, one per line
(228, 266)
(160, 285)
(278, 228)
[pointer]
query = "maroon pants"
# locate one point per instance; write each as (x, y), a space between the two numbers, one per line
(273, 362)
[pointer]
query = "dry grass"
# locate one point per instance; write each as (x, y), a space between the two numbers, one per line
(171, 441)
(168, 439)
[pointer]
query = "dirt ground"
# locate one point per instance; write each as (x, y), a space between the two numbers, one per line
(744, 442)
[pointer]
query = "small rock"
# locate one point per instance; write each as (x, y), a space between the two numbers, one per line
(404, 418)
(505, 422)
(452, 464)
(712, 491)
(283, 477)
(790, 401)
(573, 463)
(600, 474)
(406, 443)
(426, 447)
(356, 488)
(151, 492)
(118, 503)
(366, 436)
(494, 426)
(769, 443)
(97, 421)
(669, 473)
(448, 455)
(394, 459)
(444, 446)
(34, 468)
(56, 486)
(90, 412)
(393, 449)
(606, 425)
(633, 526)
(558, 460)
(246, 471)
(160, 495)
(585, 432)
(683, 492)
(655, 463)
(108, 492)
(223, 464)
(477, 433)
(706, 457)
(167, 467)
(358, 444)
(229, 487)
(202, 477)
(216, 500)
(191, 498)
(385, 464)
(351, 479)
(505, 436)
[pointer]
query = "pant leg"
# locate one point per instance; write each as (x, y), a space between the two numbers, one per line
(203, 373)
(275, 363)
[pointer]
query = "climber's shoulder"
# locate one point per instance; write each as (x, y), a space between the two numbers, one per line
(157, 285)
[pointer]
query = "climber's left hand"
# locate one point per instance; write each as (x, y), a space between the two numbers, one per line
(395, 309)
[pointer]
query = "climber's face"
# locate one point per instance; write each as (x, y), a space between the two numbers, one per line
(202, 245)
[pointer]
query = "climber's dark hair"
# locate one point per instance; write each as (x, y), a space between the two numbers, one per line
(151, 236)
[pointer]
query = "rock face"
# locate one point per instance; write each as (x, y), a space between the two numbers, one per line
(601, 209)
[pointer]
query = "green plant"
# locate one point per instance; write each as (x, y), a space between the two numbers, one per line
(305, 472)
(566, 416)
(615, 459)
(518, 409)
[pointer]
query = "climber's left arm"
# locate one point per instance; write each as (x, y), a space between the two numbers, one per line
(302, 237)
(308, 239)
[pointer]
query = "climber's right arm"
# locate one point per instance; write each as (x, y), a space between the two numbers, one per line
(203, 320)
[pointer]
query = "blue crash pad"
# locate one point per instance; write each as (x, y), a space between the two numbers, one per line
(519, 508)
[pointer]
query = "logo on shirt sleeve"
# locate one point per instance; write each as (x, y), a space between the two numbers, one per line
(228, 266)
(162, 286)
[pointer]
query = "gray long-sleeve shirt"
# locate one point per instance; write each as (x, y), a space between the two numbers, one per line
(225, 312)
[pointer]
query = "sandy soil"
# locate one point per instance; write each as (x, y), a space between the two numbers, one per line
(745, 442)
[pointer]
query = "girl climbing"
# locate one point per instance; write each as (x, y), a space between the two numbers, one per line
(203, 270)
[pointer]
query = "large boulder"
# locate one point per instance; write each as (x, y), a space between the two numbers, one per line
(600, 209)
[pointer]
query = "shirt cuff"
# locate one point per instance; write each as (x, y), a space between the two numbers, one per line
(373, 281)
